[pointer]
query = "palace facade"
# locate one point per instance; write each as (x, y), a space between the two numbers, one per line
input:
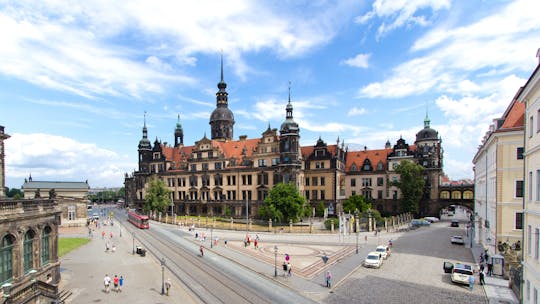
(220, 176)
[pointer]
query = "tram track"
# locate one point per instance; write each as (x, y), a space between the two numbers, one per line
(208, 283)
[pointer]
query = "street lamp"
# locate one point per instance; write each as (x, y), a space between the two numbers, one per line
(162, 276)
(275, 260)
(356, 227)
(133, 235)
(212, 235)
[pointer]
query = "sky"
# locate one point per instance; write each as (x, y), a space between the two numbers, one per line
(76, 77)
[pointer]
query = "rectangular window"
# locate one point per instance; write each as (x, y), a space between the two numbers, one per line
(322, 181)
(380, 181)
(529, 239)
(322, 194)
(307, 181)
(313, 194)
(205, 166)
(519, 188)
(71, 213)
(519, 153)
(379, 194)
(537, 185)
(519, 220)
(193, 167)
(353, 192)
(530, 186)
(531, 126)
(536, 244)
(353, 182)
(307, 194)
(314, 181)
(262, 162)
(217, 166)
(275, 161)
(366, 182)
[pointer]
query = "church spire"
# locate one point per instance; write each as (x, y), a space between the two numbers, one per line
(178, 133)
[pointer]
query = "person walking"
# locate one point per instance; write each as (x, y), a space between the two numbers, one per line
(481, 276)
(471, 282)
(289, 269)
(107, 283)
(490, 267)
(120, 283)
(115, 282)
(328, 279)
(167, 286)
(201, 249)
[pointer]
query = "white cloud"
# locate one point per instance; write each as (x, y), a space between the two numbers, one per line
(359, 61)
(356, 111)
(401, 13)
(57, 158)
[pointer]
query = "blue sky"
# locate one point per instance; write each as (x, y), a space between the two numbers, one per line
(77, 76)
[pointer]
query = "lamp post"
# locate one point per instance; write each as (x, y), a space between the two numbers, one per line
(275, 260)
(133, 235)
(356, 227)
(162, 276)
(212, 235)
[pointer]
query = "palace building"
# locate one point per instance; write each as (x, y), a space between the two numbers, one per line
(218, 176)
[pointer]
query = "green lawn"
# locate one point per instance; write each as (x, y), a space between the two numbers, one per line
(66, 245)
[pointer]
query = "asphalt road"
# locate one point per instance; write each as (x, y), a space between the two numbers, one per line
(414, 272)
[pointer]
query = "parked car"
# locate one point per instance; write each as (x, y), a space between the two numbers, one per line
(461, 273)
(455, 223)
(373, 259)
(457, 239)
(418, 223)
(432, 219)
(383, 250)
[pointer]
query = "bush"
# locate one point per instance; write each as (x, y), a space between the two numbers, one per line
(328, 224)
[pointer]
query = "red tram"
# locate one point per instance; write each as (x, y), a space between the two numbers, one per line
(138, 220)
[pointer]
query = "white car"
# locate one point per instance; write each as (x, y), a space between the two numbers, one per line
(373, 259)
(384, 251)
(461, 273)
(457, 239)
(432, 219)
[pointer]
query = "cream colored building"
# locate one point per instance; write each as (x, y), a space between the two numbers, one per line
(530, 95)
(499, 161)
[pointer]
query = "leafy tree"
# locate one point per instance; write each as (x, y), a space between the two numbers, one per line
(411, 183)
(355, 202)
(283, 203)
(14, 193)
(157, 197)
(319, 209)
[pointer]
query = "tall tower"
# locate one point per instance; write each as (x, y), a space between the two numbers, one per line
(289, 146)
(222, 119)
(3, 136)
(145, 149)
(429, 154)
(178, 134)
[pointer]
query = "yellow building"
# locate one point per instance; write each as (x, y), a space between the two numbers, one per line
(530, 95)
(499, 161)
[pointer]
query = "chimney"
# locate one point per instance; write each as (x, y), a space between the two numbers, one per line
(243, 137)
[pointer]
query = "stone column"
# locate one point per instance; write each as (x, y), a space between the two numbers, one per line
(290, 226)
(269, 225)
(332, 226)
(231, 224)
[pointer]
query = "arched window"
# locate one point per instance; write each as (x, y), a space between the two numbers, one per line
(28, 250)
(380, 166)
(353, 167)
(445, 195)
(6, 259)
(45, 246)
(367, 165)
(468, 194)
(456, 195)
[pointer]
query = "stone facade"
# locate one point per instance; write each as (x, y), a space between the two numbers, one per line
(29, 250)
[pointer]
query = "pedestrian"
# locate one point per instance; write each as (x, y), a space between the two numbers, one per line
(481, 276)
(285, 267)
(482, 267)
(110, 234)
(471, 282)
(490, 267)
(328, 279)
(167, 286)
(107, 246)
(256, 243)
(201, 249)
(115, 282)
(289, 269)
(102, 234)
(120, 283)
(107, 282)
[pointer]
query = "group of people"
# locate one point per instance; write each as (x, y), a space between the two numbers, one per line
(485, 262)
(118, 283)
(248, 240)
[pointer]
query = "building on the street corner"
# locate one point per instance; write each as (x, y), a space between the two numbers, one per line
(3, 136)
(71, 197)
(220, 175)
(498, 174)
(530, 96)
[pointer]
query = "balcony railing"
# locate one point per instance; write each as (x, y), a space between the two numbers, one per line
(25, 205)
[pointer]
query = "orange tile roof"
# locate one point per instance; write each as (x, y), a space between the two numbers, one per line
(234, 148)
(514, 115)
(308, 150)
(375, 156)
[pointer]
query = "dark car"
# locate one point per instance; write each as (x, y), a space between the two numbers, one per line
(455, 223)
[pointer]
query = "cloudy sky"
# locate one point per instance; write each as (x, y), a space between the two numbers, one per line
(77, 76)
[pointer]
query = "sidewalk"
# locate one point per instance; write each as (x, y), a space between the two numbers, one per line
(84, 269)
(496, 288)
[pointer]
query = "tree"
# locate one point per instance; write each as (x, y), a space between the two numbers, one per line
(411, 183)
(157, 198)
(355, 202)
(319, 209)
(283, 203)
(14, 193)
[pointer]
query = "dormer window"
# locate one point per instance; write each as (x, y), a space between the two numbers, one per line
(354, 168)
(319, 152)
(380, 166)
(367, 165)
(156, 155)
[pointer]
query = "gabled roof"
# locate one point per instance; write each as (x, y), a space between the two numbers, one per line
(513, 116)
(374, 156)
(234, 148)
(308, 150)
(55, 185)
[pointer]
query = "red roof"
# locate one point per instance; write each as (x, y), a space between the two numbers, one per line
(514, 115)
(374, 156)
